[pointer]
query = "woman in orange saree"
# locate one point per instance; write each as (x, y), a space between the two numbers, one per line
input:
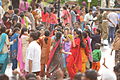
(85, 52)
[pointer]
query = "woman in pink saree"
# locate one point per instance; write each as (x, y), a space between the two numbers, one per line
(23, 43)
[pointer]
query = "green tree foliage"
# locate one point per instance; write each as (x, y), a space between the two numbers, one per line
(93, 3)
(49, 0)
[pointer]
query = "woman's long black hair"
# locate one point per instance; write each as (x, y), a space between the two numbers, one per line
(2, 30)
(45, 10)
(22, 31)
(35, 35)
(47, 33)
(15, 29)
(4, 17)
(58, 36)
(79, 33)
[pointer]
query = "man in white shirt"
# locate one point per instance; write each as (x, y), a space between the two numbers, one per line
(88, 17)
(33, 56)
(112, 23)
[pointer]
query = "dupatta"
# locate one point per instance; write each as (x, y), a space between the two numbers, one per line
(19, 55)
(2, 41)
(3, 56)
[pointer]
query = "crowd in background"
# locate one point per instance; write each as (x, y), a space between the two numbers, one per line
(32, 36)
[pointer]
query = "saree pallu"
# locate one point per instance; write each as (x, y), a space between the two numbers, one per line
(52, 53)
(55, 58)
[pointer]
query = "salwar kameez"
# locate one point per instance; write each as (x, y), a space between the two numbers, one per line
(3, 62)
(22, 46)
(45, 54)
(14, 50)
(3, 52)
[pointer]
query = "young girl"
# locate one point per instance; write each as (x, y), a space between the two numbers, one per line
(66, 41)
(46, 43)
(23, 43)
(96, 57)
(66, 46)
(14, 48)
(96, 38)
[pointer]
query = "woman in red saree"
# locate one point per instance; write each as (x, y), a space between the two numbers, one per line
(74, 61)
(55, 57)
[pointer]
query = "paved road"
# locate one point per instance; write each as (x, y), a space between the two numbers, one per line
(105, 54)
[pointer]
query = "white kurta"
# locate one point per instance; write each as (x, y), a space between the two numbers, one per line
(33, 53)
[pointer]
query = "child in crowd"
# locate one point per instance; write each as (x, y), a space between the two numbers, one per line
(96, 38)
(96, 57)
(14, 47)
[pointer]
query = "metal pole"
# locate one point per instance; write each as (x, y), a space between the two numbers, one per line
(59, 11)
(88, 6)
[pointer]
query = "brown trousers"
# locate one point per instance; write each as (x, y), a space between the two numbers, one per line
(104, 30)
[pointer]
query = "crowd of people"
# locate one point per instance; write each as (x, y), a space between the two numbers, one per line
(34, 39)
